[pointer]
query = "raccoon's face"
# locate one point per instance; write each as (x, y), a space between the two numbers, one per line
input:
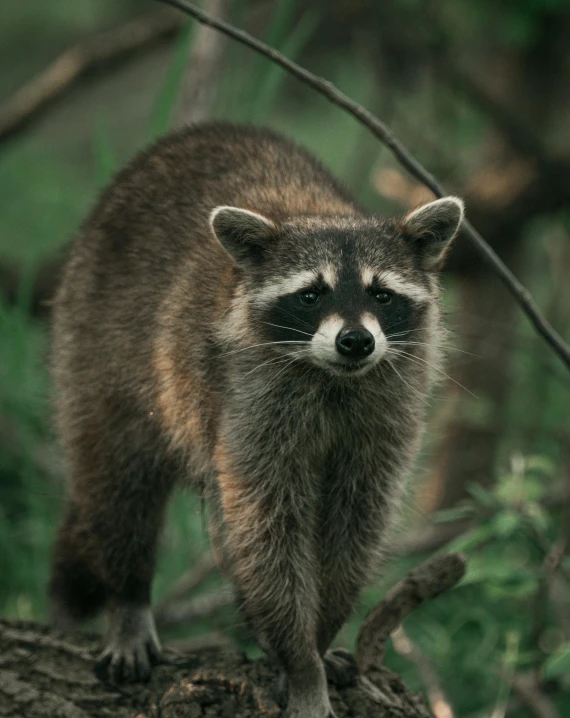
(340, 292)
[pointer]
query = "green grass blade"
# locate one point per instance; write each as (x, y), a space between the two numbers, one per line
(274, 76)
(106, 161)
(164, 106)
(279, 29)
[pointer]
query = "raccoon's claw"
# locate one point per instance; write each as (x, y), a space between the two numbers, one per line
(341, 668)
(130, 665)
(133, 647)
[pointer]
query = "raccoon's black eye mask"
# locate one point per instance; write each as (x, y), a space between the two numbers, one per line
(298, 315)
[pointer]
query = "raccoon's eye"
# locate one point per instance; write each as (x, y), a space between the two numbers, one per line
(309, 298)
(383, 297)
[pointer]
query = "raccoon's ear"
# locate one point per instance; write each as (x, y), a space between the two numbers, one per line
(432, 227)
(243, 234)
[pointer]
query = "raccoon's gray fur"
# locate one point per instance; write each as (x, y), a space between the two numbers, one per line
(229, 317)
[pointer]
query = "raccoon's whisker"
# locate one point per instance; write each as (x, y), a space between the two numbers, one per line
(438, 346)
(399, 324)
(411, 357)
(407, 383)
(263, 344)
(223, 314)
(280, 326)
(404, 331)
(296, 319)
(274, 360)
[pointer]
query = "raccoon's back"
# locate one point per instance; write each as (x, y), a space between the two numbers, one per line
(149, 233)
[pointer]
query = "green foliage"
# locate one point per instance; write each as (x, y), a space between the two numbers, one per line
(105, 158)
(165, 105)
(28, 505)
(488, 625)
(558, 664)
(514, 24)
(291, 40)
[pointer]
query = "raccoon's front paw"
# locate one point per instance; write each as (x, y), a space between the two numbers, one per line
(132, 646)
(341, 668)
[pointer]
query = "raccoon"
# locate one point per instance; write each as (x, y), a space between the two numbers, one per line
(230, 318)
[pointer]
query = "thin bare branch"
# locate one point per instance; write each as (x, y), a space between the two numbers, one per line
(199, 607)
(528, 689)
(439, 703)
(101, 49)
(189, 582)
(385, 134)
(422, 584)
(197, 91)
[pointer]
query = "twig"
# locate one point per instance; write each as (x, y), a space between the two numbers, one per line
(197, 91)
(507, 676)
(422, 584)
(527, 687)
(101, 49)
(385, 134)
(189, 582)
(438, 701)
(198, 607)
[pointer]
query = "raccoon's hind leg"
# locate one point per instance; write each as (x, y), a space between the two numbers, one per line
(119, 490)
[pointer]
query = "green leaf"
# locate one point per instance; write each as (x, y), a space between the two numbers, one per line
(541, 464)
(271, 82)
(458, 513)
(471, 539)
(506, 522)
(558, 664)
(482, 496)
(538, 517)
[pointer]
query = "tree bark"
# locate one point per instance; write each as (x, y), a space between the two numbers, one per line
(45, 674)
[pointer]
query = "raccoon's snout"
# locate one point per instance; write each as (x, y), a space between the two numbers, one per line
(355, 344)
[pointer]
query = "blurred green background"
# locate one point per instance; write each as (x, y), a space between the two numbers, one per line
(479, 90)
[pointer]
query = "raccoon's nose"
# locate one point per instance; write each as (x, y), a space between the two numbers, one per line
(355, 343)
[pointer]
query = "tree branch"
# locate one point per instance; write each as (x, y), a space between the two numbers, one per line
(30, 101)
(177, 612)
(438, 701)
(189, 582)
(521, 295)
(197, 91)
(425, 582)
(527, 687)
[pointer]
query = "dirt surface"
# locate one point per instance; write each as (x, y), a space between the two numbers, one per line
(47, 675)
